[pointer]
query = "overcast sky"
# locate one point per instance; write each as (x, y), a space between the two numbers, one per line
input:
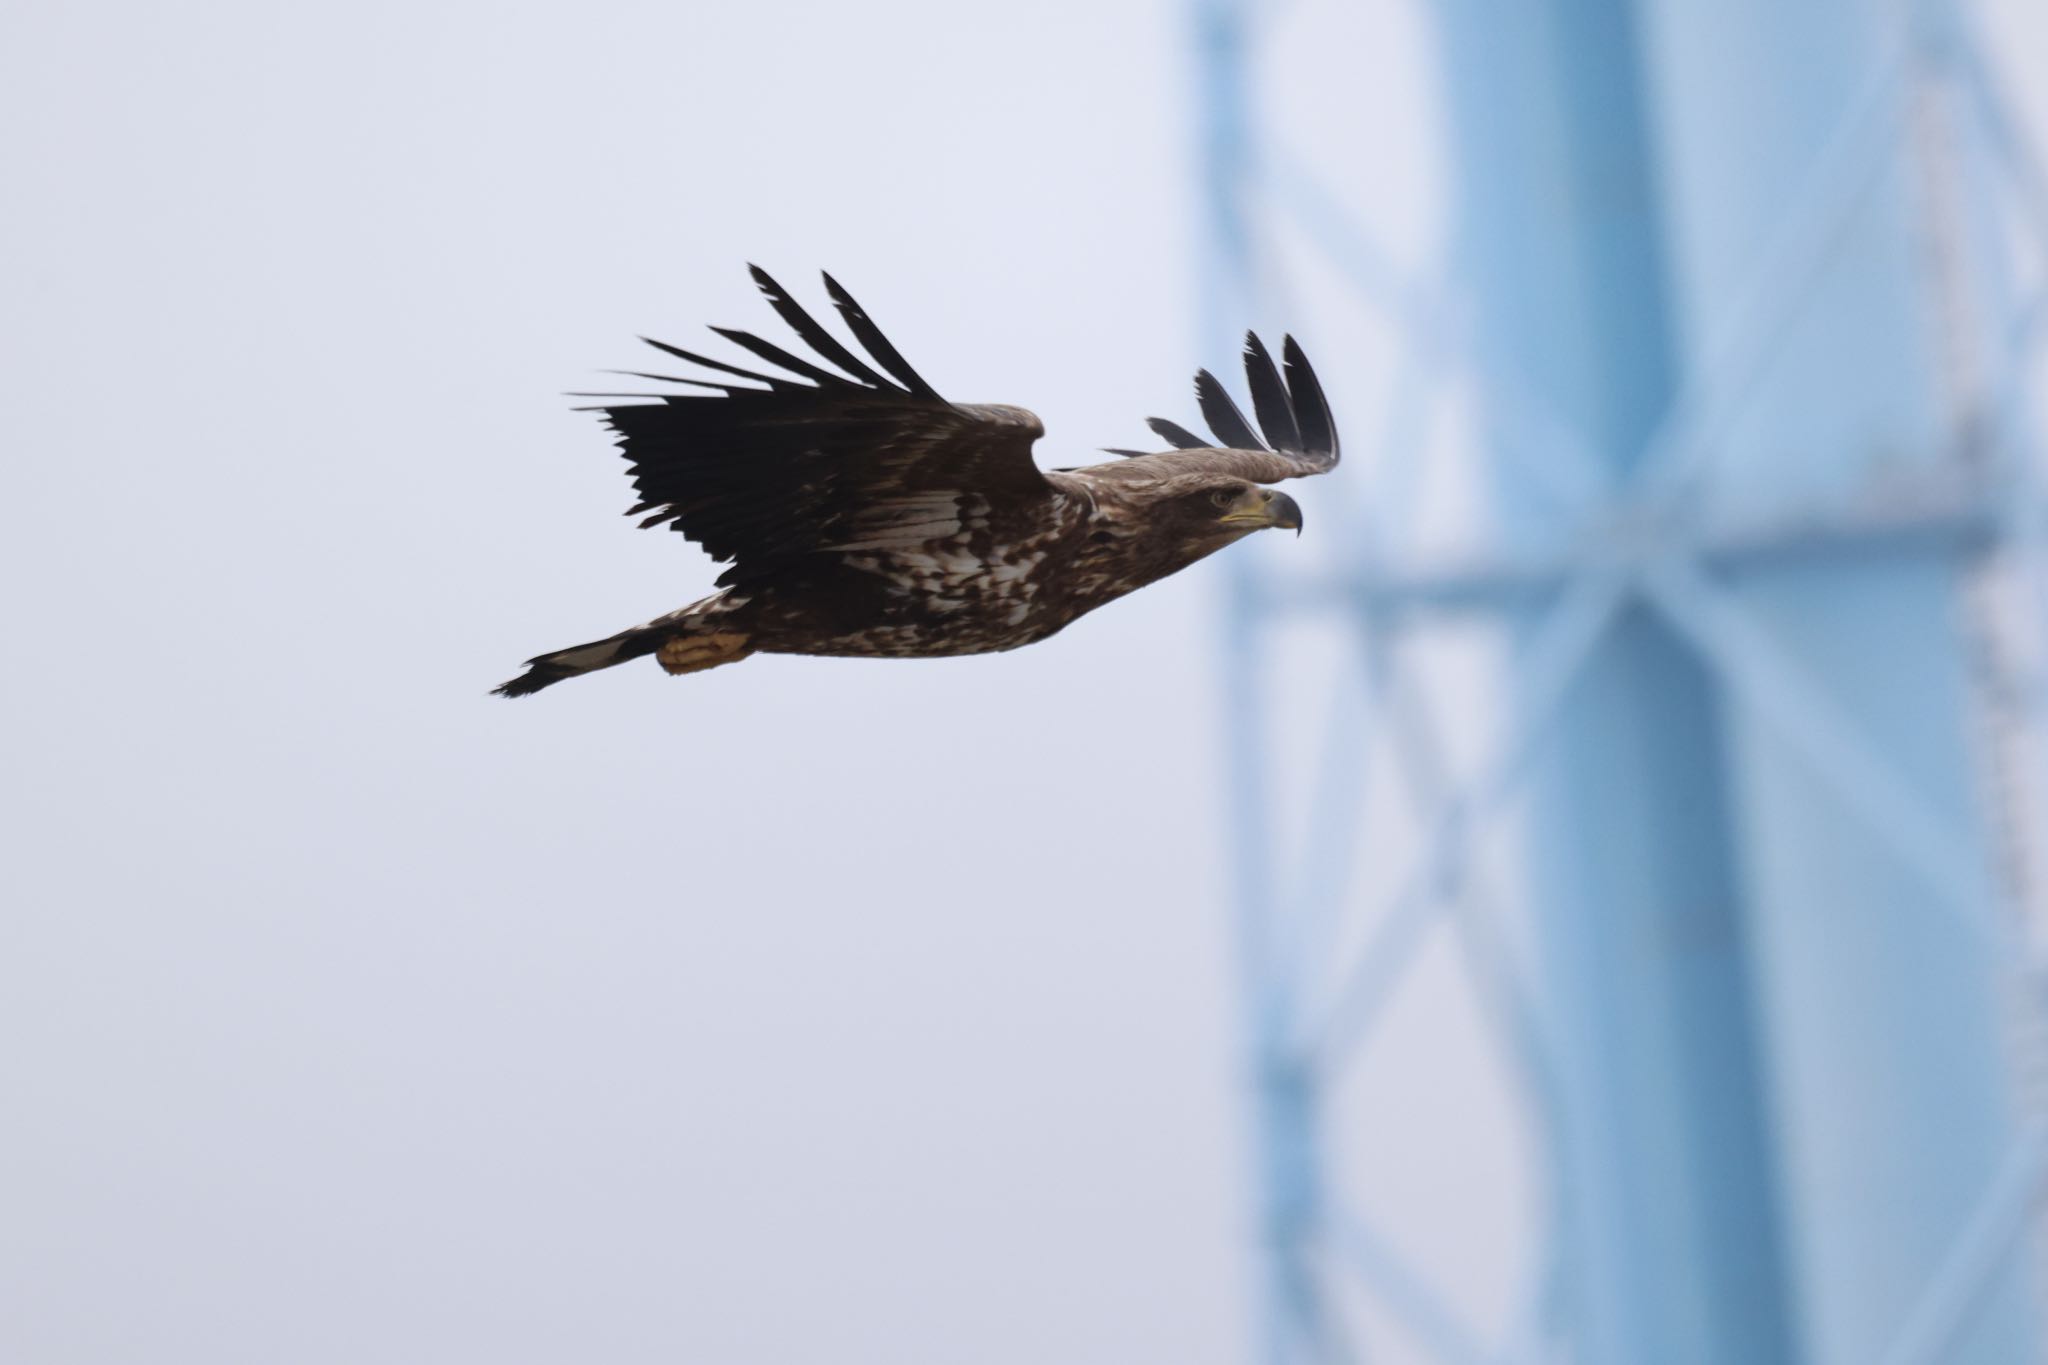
(804, 1010)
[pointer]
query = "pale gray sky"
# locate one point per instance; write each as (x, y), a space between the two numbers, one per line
(807, 1010)
(817, 1010)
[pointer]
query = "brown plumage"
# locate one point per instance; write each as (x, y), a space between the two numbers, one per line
(862, 514)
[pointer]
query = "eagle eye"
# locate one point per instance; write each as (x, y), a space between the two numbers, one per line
(1224, 497)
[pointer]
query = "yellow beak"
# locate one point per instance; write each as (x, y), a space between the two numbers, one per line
(1264, 507)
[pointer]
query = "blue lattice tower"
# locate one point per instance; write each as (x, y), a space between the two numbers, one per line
(1768, 518)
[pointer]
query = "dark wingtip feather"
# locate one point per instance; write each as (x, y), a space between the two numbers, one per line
(870, 336)
(775, 355)
(672, 379)
(813, 333)
(1292, 409)
(1318, 426)
(708, 363)
(1176, 435)
(1127, 454)
(1222, 415)
(1270, 401)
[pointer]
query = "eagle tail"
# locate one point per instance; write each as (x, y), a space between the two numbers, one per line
(680, 643)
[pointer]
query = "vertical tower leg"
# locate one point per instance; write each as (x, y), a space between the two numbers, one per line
(1672, 1248)
(1888, 1087)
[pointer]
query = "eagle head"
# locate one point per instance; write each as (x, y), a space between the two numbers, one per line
(1146, 528)
(1233, 507)
(1209, 508)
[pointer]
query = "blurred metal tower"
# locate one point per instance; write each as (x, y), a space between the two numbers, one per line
(1749, 341)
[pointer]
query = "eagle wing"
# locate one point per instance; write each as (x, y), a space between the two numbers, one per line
(869, 457)
(1300, 435)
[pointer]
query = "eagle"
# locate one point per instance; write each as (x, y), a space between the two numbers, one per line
(861, 514)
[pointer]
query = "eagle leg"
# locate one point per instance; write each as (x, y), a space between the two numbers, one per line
(693, 653)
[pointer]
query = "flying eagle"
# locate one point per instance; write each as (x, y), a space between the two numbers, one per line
(862, 514)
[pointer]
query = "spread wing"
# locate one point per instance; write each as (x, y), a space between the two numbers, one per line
(1300, 436)
(863, 456)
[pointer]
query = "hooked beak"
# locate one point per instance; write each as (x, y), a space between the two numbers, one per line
(1265, 507)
